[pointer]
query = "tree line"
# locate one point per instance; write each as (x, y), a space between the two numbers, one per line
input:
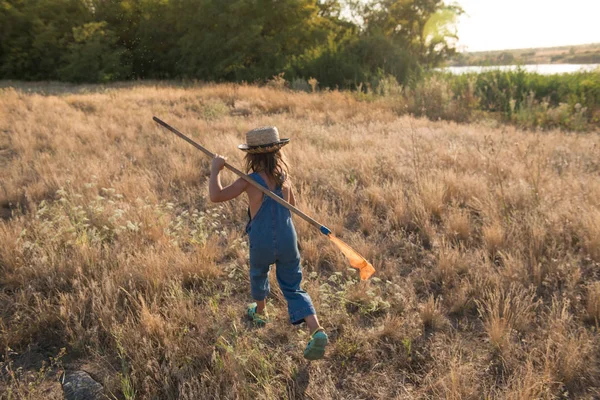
(340, 43)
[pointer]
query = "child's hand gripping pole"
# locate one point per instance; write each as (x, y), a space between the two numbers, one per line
(355, 259)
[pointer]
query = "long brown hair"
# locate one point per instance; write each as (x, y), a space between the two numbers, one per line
(273, 164)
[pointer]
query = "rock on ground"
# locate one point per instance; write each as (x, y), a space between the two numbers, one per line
(79, 385)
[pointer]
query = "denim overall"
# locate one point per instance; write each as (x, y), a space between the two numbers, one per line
(273, 241)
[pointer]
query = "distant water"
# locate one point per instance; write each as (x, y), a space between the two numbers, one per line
(544, 69)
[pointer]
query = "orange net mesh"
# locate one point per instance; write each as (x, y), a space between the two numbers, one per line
(356, 260)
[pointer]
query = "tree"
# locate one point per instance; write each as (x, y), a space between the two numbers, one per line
(35, 34)
(248, 39)
(147, 30)
(424, 28)
(94, 56)
(224, 40)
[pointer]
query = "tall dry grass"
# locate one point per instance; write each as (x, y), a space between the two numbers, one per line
(485, 241)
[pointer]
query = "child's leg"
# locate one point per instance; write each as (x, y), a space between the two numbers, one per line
(260, 305)
(312, 323)
(300, 307)
(259, 285)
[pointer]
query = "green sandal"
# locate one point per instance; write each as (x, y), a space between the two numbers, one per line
(315, 349)
(258, 319)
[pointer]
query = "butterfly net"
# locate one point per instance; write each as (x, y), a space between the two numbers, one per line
(356, 260)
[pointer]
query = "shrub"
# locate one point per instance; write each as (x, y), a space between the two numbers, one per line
(95, 56)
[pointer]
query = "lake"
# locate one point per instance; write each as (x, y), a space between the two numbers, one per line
(544, 69)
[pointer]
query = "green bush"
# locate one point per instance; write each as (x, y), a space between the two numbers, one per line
(34, 36)
(94, 56)
(569, 101)
(434, 98)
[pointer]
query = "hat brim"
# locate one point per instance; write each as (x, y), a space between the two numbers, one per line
(264, 148)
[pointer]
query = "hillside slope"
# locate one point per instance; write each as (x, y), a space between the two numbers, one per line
(580, 54)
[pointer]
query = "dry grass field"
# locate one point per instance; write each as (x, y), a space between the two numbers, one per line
(486, 241)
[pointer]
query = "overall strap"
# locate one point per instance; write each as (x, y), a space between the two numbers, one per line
(259, 179)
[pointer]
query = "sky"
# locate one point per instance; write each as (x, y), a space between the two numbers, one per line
(517, 24)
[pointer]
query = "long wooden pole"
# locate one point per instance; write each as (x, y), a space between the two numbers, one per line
(236, 171)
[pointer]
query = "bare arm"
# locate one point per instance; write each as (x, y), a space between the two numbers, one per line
(292, 200)
(288, 193)
(216, 192)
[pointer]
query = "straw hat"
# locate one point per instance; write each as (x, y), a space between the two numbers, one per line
(263, 140)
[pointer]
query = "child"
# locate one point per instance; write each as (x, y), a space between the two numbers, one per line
(271, 232)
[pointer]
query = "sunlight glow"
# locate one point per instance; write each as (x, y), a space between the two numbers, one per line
(517, 24)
